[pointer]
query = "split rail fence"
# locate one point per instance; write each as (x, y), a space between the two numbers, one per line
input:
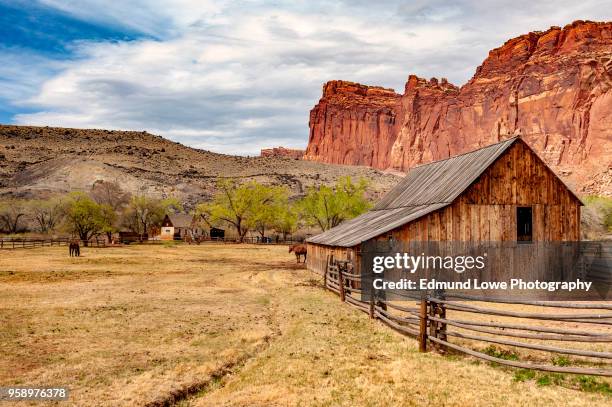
(30, 243)
(427, 320)
(27, 243)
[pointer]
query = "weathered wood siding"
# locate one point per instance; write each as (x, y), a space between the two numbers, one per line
(318, 255)
(486, 211)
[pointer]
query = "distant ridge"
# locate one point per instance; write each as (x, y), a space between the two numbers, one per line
(42, 161)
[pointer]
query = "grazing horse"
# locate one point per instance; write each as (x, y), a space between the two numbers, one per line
(299, 250)
(74, 248)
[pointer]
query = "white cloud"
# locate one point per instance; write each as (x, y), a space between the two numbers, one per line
(154, 17)
(237, 77)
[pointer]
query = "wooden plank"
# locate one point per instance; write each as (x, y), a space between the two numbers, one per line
(556, 369)
(524, 335)
(545, 348)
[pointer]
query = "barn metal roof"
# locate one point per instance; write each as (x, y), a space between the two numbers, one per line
(425, 188)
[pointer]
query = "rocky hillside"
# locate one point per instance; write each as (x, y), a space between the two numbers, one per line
(554, 88)
(41, 161)
(282, 152)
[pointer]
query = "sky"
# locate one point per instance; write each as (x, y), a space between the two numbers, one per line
(237, 76)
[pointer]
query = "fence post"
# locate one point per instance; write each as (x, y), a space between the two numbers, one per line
(442, 327)
(423, 326)
(371, 305)
(325, 272)
(341, 283)
(433, 325)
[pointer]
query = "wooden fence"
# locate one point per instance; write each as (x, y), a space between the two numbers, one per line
(248, 239)
(427, 320)
(30, 243)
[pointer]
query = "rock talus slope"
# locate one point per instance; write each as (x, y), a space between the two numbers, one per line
(553, 88)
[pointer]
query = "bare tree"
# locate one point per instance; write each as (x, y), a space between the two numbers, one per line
(47, 214)
(12, 215)
(109, 193)
(143, 212)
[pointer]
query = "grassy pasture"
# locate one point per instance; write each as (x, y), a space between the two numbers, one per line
(228, 325)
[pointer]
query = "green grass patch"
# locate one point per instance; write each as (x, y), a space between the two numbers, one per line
(523, 375)
(561, 361)
(550, 378)
(544, 380)
(499, 353)
(592, 384)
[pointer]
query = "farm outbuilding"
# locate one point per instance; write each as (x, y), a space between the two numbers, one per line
(177, 226)
(217, 234)
(500, 193)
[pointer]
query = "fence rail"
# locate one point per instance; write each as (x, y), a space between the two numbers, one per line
(428, 321)
(29, 243)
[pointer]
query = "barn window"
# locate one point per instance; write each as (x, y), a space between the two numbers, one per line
(524, 224)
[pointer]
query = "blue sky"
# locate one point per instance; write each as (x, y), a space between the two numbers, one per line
(237, 76)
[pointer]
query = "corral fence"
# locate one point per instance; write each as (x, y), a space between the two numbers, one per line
(31, 243)
(246, 239)
(427, 319)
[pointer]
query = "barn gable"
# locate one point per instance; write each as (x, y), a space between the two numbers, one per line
(470, 178)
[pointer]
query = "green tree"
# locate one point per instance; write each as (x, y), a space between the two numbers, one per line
(286, 220)
(109, 217)
(269, 204)
(327, 207)
(248, 206)
(84, 216)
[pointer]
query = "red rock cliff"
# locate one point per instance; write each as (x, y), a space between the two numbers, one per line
(552, 87)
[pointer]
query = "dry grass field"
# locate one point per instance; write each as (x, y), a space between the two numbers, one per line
(222, 325)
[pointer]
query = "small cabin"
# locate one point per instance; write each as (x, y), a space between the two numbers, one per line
(500, 193)
(177, 226)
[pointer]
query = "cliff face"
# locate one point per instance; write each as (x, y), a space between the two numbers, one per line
(554, 88)
(353, 124)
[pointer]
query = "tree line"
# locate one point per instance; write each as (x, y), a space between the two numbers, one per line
(245, 207)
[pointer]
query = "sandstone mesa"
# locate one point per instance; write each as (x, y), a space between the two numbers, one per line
(553, 88)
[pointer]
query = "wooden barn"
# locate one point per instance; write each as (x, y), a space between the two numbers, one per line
(502, 192)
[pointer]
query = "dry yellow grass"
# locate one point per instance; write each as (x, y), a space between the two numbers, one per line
(228, 325)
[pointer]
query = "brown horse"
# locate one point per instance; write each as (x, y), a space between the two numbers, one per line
(299, 250)
(74, 248)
